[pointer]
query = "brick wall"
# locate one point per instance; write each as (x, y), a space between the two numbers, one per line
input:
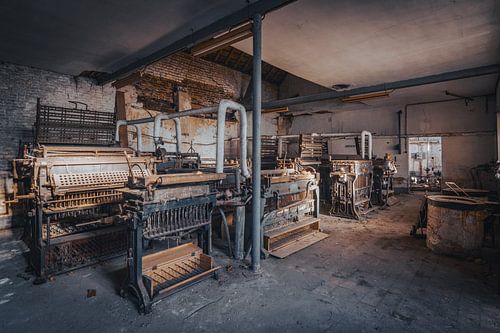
(19, 88)
(206, 83)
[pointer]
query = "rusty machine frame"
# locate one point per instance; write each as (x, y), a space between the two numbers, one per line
(290, 222)
(347, 184)
(383, 172)
(72, 193)
(169, 207)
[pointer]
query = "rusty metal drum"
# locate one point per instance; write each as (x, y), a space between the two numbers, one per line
(455, 224)
(473, 193)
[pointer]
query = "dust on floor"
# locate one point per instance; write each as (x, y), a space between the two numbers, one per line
(367, 276)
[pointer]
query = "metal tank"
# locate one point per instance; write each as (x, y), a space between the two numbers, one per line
(455, 224)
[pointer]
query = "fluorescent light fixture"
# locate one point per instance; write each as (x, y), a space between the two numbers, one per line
(357, 98)
(222, 40)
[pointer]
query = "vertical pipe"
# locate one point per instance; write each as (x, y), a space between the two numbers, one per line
(178, 135)
(399, 131)
(139, 138)
(239, 239)
(256, 142)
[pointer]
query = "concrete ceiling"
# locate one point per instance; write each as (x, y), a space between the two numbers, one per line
(477, 87)
(328, 42)
(367, 42)
(73, 36)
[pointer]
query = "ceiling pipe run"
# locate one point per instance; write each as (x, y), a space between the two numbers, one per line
(448, 76)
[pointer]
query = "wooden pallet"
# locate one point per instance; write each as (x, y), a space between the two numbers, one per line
(288, 240)
(168, 271)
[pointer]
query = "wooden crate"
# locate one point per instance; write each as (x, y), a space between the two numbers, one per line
(168, 271)
(285, 241)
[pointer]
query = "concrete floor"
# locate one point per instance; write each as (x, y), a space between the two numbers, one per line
(367, 276)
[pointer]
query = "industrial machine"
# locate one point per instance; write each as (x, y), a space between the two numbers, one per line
(170, 207)
(291, 208)
(383, 173)
(176, 205)
(71, 192)
(312, 148)
(346, 184)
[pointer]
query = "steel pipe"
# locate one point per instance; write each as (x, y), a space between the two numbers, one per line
(224, 105)
(364, 135)
(221, 110)
(256, 143)
(120, 123)
(178, 131)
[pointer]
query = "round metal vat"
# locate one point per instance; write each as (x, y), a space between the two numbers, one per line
(473, 193)
(455, 224)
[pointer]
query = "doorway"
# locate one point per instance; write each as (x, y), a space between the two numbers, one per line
(425, 164)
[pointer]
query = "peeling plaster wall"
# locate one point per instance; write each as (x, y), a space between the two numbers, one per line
(468, 131)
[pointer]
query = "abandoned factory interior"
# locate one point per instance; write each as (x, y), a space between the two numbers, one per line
(250, 166)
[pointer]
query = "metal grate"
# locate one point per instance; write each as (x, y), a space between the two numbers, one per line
(269, 152)
(67, 180)
(98, 246)
(84, 200)
(168, 221)
(311, 147)
(58, 125)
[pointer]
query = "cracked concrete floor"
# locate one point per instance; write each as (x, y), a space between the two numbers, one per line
(367, 276)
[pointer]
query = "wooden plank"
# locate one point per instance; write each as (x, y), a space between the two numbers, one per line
(165, 256)
(191, 280)
(304, 223)
(121, 114)
(128, 80)
(298, 245)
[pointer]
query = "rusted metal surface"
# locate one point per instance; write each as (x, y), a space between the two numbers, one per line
(56, 125)
(291, 207)
(168, 207)
(471, 192)
(347, 186)
(175, 179)
(312, 149)
(73, 197)
(455, 224)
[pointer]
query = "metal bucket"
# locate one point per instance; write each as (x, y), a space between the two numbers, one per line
(455, 224)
